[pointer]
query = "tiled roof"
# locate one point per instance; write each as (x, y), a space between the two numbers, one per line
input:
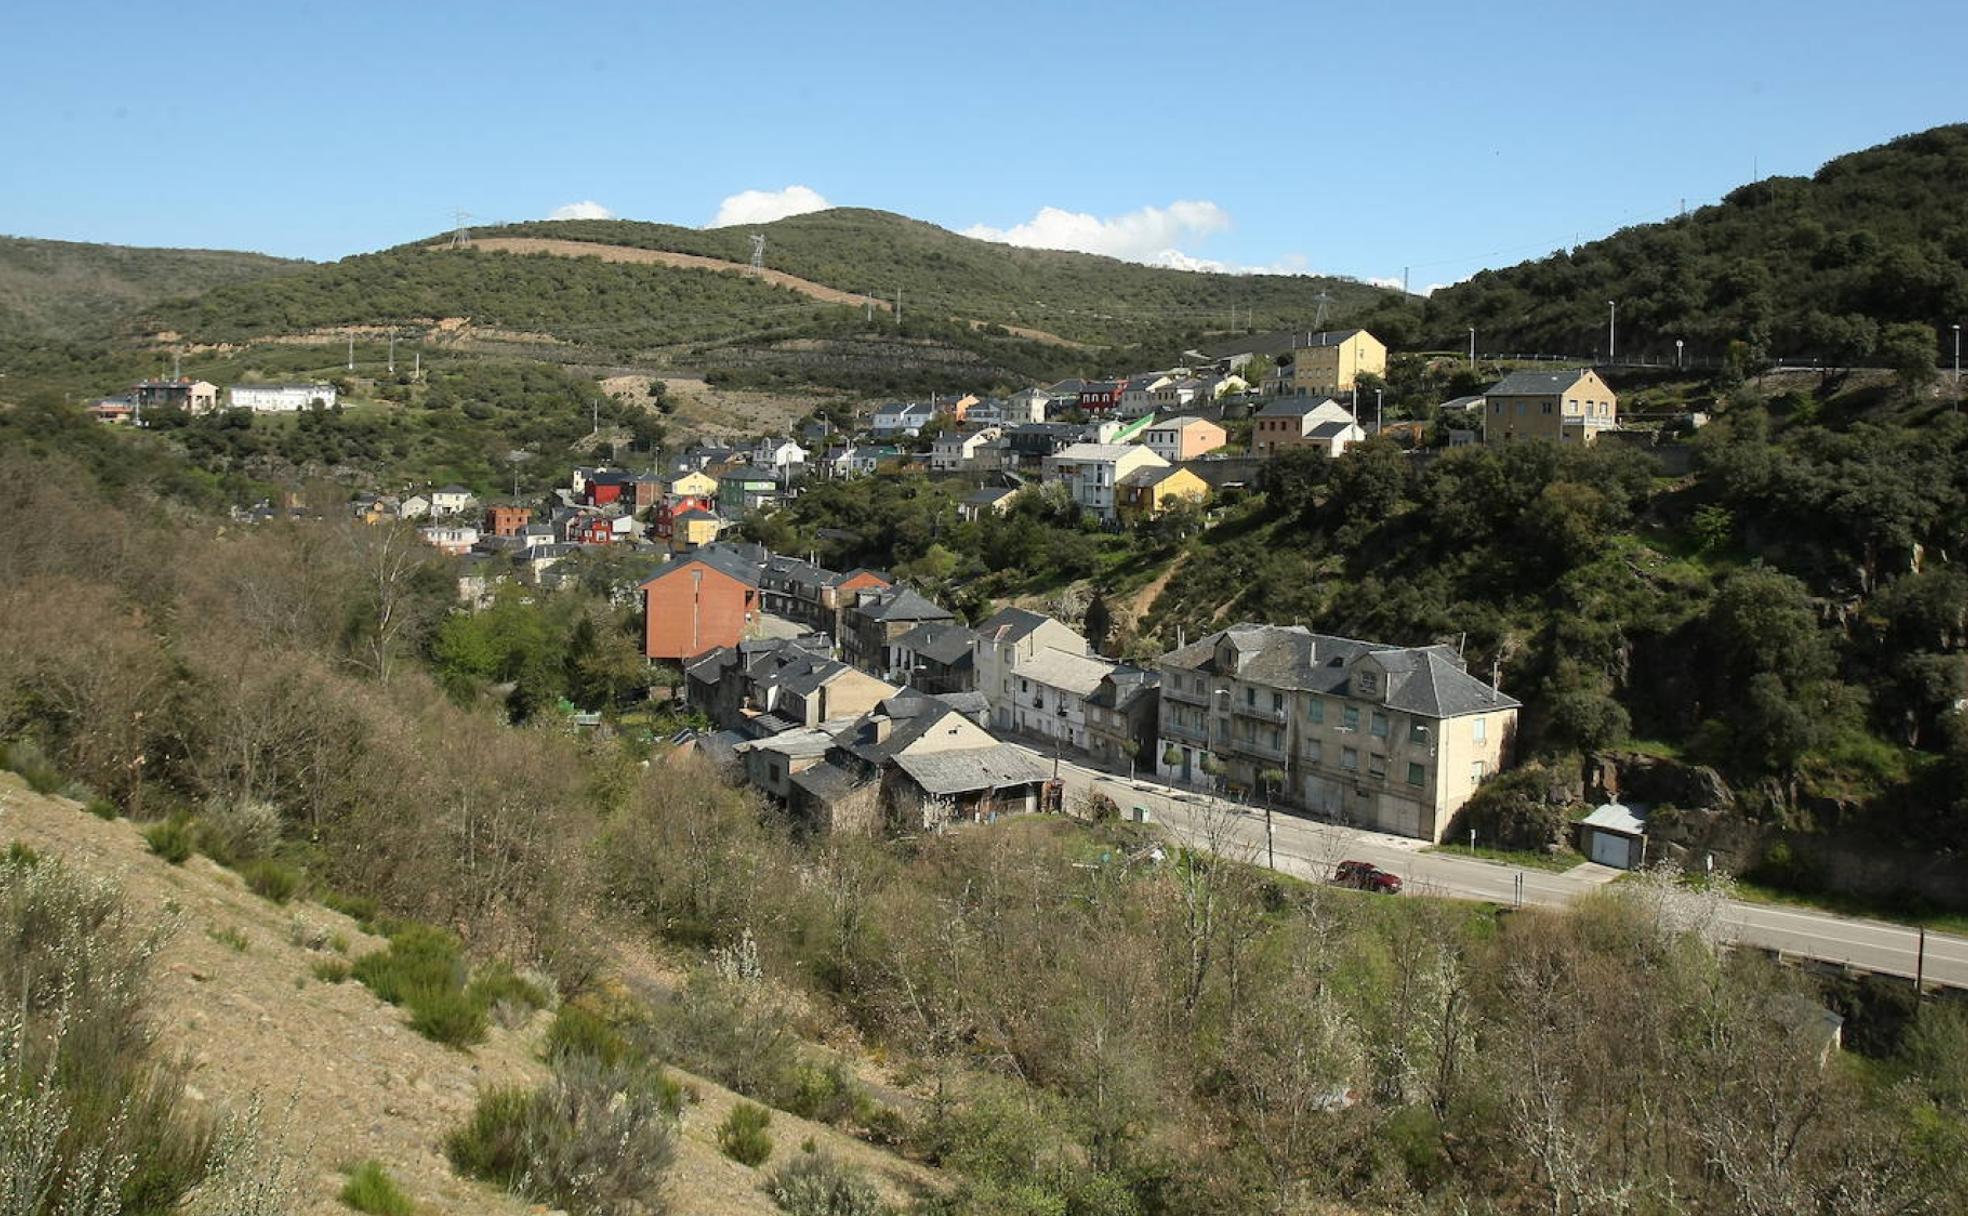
(1012, 624)
(944, 641)
(901, 604)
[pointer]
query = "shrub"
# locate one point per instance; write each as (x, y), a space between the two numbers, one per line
(170, 840)
(371, 1189)
(589, 1140)
(419, 958)
(448, 1016)
(232, 831)
(826, 1093)
(359, 908)
(19, 854)
(579, 1031)
(742, 1134)
(231, 939)
(331, 970)
(498, 983)
(88, 1119)
(25, 757)
(272, 880)
(814, 1184)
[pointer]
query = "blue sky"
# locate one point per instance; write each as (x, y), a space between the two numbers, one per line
(1352, 139)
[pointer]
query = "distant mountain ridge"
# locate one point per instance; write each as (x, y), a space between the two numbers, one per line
(68, 289)
(1796, 267)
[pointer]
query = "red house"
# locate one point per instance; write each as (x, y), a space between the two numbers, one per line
(1101, 396)
(507, 521)
(663, 519)
(608, 486)
(593, 530)
(698, 603)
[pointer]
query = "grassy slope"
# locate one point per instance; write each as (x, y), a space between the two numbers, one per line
(67, 289)
(361, 1085)
(1078, 295)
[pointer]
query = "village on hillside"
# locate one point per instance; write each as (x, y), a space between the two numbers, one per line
(858, 703)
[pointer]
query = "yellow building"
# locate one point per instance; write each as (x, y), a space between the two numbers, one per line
(1571, 406)
(1330, 362)
(1146, 493)
(694, 529)
(694, 485)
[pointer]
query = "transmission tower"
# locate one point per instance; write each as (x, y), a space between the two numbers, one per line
(758, 252)
(461, 235)
(1319, 321)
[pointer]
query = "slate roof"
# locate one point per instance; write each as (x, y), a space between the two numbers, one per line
(988, 496)
(1154, 475)
(1330, 430)
(1122, 685)
(943, 641)
(1326, 337)
(1055, 668)
(1293, 407)
(724, 561)
(803, 741)
(1535, 384)
(828, 782)
(1097, 451)
(974, 769)
(1012, 624)
(1461, 404)
(901, 604)
(901, 733)
(1426, 680)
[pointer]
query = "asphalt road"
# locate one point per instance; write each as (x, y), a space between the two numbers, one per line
(1309, 850)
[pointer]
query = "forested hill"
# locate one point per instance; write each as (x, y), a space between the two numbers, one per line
(64, 289)
(1077, 295)
(1793, 267)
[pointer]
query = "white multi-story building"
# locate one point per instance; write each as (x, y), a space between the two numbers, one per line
(1036, 673)
(1092, 471)
(280, 398)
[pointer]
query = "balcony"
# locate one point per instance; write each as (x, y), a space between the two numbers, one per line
(1184, 695)
(1176, 730)
(1262, 713)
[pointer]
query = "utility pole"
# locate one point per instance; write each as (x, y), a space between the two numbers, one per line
(898, 308)
(351, 357)
(392, 354)
(1957, 369)
(1612, 330)
(1404, 280)
(595, 406)
(1472, 346)
(417, 364)
(1376, 411)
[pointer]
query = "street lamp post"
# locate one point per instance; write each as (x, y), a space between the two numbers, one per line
(1677, 354)
(1612, 331)
(1377, 406)
(1472, 346)
(1957, 369)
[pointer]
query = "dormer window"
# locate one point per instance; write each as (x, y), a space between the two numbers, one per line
(1367, 682)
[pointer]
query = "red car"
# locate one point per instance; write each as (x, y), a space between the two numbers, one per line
(1366, 877)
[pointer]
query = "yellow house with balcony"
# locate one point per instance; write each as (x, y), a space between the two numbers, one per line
(1146, 493)
(1572, 406)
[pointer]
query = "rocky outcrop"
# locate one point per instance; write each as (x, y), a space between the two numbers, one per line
(1655, 781)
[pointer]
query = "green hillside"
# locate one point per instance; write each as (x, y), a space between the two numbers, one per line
(1077, 295)
(1791, 267)
(68, 290)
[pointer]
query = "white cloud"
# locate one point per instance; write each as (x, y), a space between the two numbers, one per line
(587, 209)
(764, 206)
(1147, 235)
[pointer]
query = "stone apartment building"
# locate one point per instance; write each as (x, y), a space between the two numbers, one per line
(1329, 362)
(1385, 737)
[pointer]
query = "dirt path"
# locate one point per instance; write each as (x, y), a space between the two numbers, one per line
(692, 261)
(342, 1079)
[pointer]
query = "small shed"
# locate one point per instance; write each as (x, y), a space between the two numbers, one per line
(1615, 835)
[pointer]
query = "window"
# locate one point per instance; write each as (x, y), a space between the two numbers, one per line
(1376, 765)
(1313, 751)
(1546, 407)
(1379, 725)
(1250, 697)
(1496, 407)
(1479, 730)
(1277, 702)
(1368, 683)
(1349, 759)
(1277, 740)
(1350, 719)
(1523, 407)
(1415, 774)
(1477, 771)
(1315, 708)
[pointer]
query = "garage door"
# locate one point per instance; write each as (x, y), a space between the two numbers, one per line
(1611, 850)
(1399, 816)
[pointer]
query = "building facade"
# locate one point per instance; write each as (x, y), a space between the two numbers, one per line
(1330, 362)
(1565, 407)
(698, 603)
(1390, 738)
